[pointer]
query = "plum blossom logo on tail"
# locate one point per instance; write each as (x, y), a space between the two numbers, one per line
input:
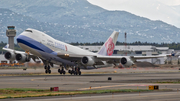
(109, 46)
(66, 47)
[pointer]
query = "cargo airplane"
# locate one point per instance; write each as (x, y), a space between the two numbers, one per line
(38, 45)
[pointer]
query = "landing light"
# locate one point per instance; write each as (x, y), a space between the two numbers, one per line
(67, 55)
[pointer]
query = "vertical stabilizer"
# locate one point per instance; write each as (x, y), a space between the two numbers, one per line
(108, 47)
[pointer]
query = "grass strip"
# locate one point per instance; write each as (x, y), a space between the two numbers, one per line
(28, 92)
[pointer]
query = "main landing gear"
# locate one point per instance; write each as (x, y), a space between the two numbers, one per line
(75, 71)
(47, 69)
(62, 71)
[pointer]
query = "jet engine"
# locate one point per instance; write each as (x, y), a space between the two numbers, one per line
(88, 61)
(127, 62)
(9, 56)
(22, 58)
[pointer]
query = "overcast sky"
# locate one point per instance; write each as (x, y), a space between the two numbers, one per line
(170, 2)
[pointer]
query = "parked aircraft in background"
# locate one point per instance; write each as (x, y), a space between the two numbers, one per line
(37, 45)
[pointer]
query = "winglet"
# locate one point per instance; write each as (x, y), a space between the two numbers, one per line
(108, 48)
(173, 53)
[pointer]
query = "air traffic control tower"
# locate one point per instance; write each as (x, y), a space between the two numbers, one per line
(11, 33)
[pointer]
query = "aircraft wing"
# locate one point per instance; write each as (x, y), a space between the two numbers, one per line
(108, 59)
(132, 57)
(11, 50)
(6, 48)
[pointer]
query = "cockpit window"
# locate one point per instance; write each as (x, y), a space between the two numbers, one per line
(28, 31)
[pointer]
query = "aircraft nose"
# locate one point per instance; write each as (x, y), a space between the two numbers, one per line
(21, 38)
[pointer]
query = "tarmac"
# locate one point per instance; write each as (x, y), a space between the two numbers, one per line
(96, 79)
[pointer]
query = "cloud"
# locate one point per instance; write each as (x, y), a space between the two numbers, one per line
(170, 2)
(110, 3)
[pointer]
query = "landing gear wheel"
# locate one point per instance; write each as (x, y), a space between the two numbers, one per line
(60, 72)
(75, 73)
(45, 67)
(46, 71)
(49, 71)
(69, 71)
(72, 72)
(79, 72)
(48, 67)
(64, 72)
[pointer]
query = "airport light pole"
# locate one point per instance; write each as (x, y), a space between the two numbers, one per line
(125, 36)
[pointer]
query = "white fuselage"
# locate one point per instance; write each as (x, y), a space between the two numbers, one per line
(53, 44)
(41, 44)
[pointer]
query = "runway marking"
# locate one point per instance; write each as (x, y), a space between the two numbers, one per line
(122, 85)
(116, 86)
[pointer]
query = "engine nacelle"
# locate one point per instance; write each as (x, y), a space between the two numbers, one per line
(88, 61)
(127, 62)
(9, 56)
(22, 58)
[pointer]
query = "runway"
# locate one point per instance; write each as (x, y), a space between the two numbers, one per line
(95, 81)
(122, 79)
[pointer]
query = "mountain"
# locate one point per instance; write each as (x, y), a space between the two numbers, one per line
(152, 9)
(80, 21)
(65, 33)
(51, 10)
